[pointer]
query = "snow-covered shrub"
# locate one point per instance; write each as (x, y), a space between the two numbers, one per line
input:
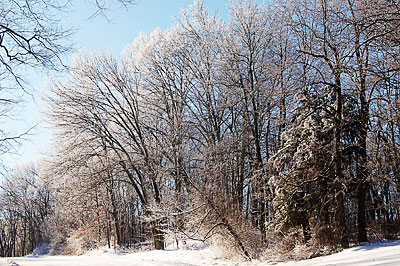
(291, 245)
(41, 249)
(193, 245)
(384, 230)
(280, 244)
(225, 244)
(323, 237)
(74, 246)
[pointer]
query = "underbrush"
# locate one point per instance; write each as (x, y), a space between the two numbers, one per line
(291, 245)
(73, 246)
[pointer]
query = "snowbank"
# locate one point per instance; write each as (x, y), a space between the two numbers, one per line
(387, 254)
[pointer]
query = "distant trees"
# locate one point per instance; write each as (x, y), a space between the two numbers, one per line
(25, 204)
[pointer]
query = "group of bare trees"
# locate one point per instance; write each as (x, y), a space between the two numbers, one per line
(25, 204)
(283, 120)
(32, 38)
(344, 46)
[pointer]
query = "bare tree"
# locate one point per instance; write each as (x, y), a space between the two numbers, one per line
(26, 203)
(32, 37)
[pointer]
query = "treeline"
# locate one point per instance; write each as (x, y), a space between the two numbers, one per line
(25, 203)
(280, 123)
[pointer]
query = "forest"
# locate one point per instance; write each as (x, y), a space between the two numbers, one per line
(273, 129)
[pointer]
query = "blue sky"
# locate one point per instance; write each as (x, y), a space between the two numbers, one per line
(95, 34)
(125, 26)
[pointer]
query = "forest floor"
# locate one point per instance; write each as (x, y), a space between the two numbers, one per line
(387, 254)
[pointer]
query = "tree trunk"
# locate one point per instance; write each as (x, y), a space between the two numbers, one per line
(340, 202)
(361, 217)
(158, 235)
(362, 168)
(362, 57)
(117, 228)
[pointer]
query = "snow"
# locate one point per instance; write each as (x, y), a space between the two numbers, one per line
(367, 255)
(387, 254)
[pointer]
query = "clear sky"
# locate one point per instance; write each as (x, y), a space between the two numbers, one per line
(95, 34)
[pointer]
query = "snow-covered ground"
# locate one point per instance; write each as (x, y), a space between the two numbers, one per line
(387, 254)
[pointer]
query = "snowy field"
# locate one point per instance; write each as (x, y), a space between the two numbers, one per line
(387, 254)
